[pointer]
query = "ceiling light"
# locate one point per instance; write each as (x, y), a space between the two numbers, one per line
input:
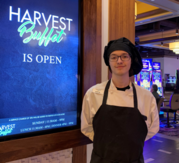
(135, 10)
(176, 50)
(174, 46)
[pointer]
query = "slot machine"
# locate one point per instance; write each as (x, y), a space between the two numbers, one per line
(157, 77)
(145, 76)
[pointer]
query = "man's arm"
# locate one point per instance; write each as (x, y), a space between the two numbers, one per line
(86, 120)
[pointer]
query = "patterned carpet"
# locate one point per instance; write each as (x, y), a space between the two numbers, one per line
(173, 131)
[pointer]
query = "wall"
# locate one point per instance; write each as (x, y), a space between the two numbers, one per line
(170, 65)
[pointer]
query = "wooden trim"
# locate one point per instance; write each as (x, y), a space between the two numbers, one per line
(157, 40)
(92, 43)
(91, 53)
(151, 13)
(79, 154)
(158, 35)
(28, 147)
(121, 21)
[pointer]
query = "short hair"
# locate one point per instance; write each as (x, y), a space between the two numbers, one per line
(155, 87)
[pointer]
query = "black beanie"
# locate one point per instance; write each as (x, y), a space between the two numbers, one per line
(125, 45)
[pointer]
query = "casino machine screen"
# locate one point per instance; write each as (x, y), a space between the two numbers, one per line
(145, 79)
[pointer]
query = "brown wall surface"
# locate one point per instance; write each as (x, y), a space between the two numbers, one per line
(122, 21)
(91, 43)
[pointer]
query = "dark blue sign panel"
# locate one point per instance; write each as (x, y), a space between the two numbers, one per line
(145, 66)
(39, 43)
(156, 65)
(150, 63)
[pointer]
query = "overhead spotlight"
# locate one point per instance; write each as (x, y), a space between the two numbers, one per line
(176, 31)
(161, 43)
(174, 46)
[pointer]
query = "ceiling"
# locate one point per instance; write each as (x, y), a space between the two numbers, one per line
(155, 27)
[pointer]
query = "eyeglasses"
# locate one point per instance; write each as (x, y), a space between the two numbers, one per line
(124, 57)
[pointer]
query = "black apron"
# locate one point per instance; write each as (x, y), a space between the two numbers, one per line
(119, 133)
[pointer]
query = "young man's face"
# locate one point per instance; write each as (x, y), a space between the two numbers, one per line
(120, 62)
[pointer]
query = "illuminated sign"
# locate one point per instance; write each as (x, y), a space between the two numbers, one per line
(27, 28)
(39, 65)
(145, 79)
(6, 129)
(150, 63)
(145, 65)
(156, 65)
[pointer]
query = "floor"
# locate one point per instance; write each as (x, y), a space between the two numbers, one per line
(63, 156)
(162, 149)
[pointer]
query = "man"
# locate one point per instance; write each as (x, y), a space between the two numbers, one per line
(154, 90)
(117, 115)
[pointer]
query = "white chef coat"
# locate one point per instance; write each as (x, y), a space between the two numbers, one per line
(93, 100)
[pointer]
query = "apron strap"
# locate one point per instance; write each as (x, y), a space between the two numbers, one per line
(135, 97)
(106, 94)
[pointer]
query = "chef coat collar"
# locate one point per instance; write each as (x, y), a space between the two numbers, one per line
(127, 91)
